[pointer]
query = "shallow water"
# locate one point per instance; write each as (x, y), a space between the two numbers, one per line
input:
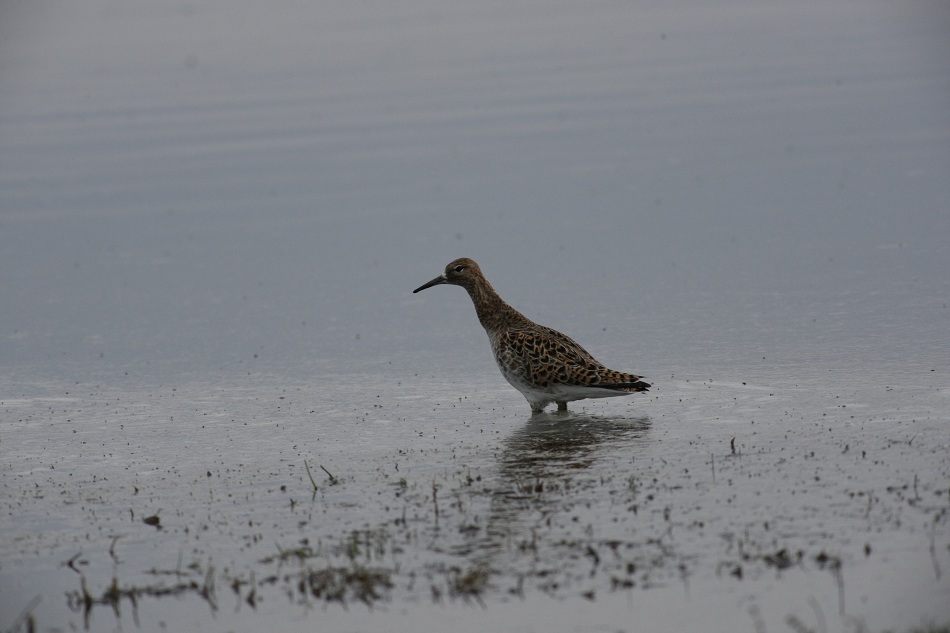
(222, 407)
(751, 500)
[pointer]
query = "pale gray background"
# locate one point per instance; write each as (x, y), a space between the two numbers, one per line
(183, 186)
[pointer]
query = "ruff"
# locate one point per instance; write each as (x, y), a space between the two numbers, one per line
(543, 364)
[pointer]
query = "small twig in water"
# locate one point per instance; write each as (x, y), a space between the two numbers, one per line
(333, 480)
(933, 544)
(71, 563)
(26, 615)
(312, 482)
(207, 589)
(819, 614)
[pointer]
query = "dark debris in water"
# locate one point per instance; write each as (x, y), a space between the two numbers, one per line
(345, 584)
(782, 559)
(153, 520)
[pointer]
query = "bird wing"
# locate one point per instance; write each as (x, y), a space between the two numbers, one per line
(546, 357)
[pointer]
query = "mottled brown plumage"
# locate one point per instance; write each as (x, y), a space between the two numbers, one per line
(543, 364)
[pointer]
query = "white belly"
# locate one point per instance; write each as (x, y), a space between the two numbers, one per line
(538, 397)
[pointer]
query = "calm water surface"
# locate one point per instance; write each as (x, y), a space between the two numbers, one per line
(211, 220)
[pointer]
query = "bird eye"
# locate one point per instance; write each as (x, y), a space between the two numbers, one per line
(459, 268)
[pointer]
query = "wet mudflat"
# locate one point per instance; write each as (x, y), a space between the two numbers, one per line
(726, 505)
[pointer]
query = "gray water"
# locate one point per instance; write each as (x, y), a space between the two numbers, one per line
(211, 220)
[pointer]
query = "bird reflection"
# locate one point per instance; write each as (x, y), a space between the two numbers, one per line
(552, 444)
(548, 470)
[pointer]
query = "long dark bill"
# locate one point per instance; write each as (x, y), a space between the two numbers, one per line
(435, 282)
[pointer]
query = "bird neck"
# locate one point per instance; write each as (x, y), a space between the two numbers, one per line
(493, 313)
